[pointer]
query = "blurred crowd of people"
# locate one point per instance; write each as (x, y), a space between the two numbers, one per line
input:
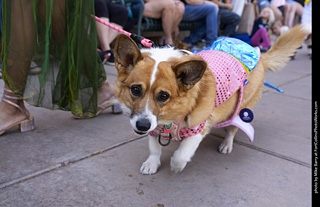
(220, 18)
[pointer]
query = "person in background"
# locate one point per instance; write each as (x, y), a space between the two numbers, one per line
(169, 11)
(117, 15)
(260, 36)
(206, 12)
(278, 29)
(229, 20)
(291, 9)
(277, 7)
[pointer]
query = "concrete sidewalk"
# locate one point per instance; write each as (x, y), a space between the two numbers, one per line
(95, 162)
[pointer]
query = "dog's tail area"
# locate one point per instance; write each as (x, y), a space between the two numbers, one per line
(284, 47)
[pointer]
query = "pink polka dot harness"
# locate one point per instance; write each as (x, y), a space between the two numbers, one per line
(230, 74)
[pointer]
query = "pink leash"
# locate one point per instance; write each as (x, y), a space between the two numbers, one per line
(138, 39)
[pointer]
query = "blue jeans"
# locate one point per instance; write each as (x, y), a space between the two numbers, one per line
(209, 15)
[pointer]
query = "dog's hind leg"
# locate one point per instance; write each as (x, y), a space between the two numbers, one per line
(227, 145)
(185, 152)
(150, 166)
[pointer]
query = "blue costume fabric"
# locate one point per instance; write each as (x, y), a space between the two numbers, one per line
(245, 53)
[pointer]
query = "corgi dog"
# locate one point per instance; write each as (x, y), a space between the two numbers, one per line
(161, 86)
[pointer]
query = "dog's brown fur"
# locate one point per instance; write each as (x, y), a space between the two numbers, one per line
(190, 83)
(197, 102)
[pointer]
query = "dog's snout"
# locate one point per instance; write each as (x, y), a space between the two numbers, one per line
(143, 124)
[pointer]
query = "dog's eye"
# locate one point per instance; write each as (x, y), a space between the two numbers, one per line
(136, 90)
(163, 96)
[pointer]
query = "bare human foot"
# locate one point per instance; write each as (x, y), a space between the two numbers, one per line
(106, 99)
(105, 92)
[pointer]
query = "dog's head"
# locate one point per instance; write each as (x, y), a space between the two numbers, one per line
(157, 85)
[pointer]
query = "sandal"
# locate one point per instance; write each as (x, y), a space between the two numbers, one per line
(110, 102)
(116, 108)
(25, 125)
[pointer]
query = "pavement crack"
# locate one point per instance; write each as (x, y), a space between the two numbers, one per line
(284, 157)
(67, 163)
(274, 154)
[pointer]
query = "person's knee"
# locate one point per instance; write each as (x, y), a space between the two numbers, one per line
(169, 5)
(263, 29)
(179, 7)
(289, 7)
(216, 8)
(209, 8)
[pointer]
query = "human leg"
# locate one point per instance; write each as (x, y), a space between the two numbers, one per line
(228, 21)
(261, 34)
(88, 73)
(101, 11)
(277, 12)
(118, 18)
(179, 11)
(15, 112)
(196, 35)
(212, 25)
(207, 13)
(110, 13)
(17, 60)
(287, 12)
(103, 34)
(292, 8)
(255, 39)
(165, 10)
(299, 9)
(22, 38)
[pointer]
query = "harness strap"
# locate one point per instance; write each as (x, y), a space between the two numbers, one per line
(170, 131)
(175, 132)
(236, 121)
(228, 122)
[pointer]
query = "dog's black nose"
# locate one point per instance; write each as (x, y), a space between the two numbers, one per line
(143, 124)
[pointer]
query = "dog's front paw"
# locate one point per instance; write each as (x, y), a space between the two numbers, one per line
(225, 147)
(177, 165)
(150, 166)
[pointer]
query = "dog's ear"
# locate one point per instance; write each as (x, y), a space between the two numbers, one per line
(126, 53)
(188, 73)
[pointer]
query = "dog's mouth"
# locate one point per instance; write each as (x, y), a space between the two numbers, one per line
(140, 132)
